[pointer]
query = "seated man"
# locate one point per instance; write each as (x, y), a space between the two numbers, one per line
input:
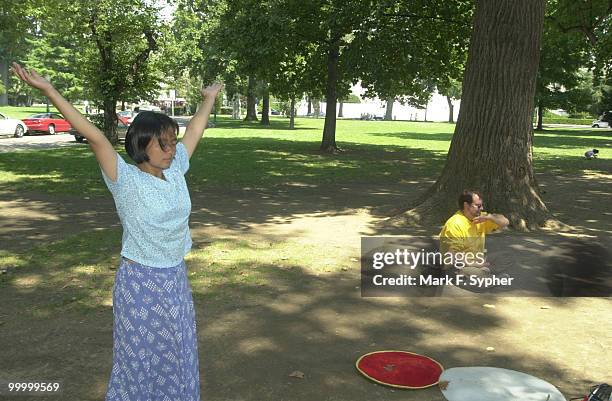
(464, 233)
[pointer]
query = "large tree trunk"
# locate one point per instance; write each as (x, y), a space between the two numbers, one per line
(251, 101)
(451, 110)
(540, 117)
(340, 107)
(328, 143)
(4, 73)
(292, 115)
(491, 149)
(389, 109)
(309, 112)
(265, 111)
(110, 120)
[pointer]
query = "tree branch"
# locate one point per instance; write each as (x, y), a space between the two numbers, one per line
(585, 27)
(142, 57)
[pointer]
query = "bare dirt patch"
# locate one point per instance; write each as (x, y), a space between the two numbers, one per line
(318, 324)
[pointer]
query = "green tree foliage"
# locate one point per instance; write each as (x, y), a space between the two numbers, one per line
(411, 45)
(17, 22)
(605, 103)
(592, 19)
(396, 49)
(52, 55)
(198, 45)
(584, 97)
(562, 55)
(194, 44)
(351, 98)
(118, 56)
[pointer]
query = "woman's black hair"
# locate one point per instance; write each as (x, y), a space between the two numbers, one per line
(147, 125)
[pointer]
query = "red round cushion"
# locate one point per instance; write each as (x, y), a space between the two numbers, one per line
(400, 369)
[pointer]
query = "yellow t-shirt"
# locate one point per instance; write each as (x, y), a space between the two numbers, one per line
(460, 234)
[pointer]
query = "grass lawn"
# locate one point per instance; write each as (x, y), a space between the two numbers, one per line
(237, 154)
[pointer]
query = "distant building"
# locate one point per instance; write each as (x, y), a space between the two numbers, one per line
(437, 108)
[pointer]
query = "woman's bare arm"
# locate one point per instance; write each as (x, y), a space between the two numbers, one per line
(102, 148)
(197, 124)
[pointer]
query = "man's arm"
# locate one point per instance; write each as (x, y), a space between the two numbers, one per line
(197, 124)
(498, 219)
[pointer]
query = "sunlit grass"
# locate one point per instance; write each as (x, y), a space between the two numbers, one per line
(237, 154)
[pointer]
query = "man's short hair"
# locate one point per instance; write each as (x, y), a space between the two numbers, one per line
(146, 126)
(467, 196)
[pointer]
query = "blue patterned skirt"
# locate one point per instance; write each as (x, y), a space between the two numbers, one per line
(155, 351)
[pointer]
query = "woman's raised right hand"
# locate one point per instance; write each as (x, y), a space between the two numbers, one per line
(31, 78)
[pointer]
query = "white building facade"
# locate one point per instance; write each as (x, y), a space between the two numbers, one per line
(437, 108)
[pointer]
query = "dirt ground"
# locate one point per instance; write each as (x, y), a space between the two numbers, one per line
(320, 324)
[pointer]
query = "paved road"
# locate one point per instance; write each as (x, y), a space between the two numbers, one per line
(45, 141)
(30, 142)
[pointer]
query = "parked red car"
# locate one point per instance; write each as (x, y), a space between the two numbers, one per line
(47, 122)
(126, 116)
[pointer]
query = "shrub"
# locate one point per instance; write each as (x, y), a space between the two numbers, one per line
(575, 121)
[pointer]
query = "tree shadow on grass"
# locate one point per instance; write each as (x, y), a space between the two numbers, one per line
(430, 136)
(229, 163)
(259, 322)
(560, 140)
(549, 139)
(573, 132)
(275, 124)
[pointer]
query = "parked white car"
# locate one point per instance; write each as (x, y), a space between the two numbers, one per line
(600, 124)
(12, 126)
(604, 121)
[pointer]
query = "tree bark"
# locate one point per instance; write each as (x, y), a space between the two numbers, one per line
(110, 120)
(292, 115)
(265, 111)
(251, 105)
(316, 105)
(328, 143)
(491, 149)
(236, 107)
(340, 107)
(451, 110)
(5, 81)
(309, 112)
(389, 109)
(540, 117)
